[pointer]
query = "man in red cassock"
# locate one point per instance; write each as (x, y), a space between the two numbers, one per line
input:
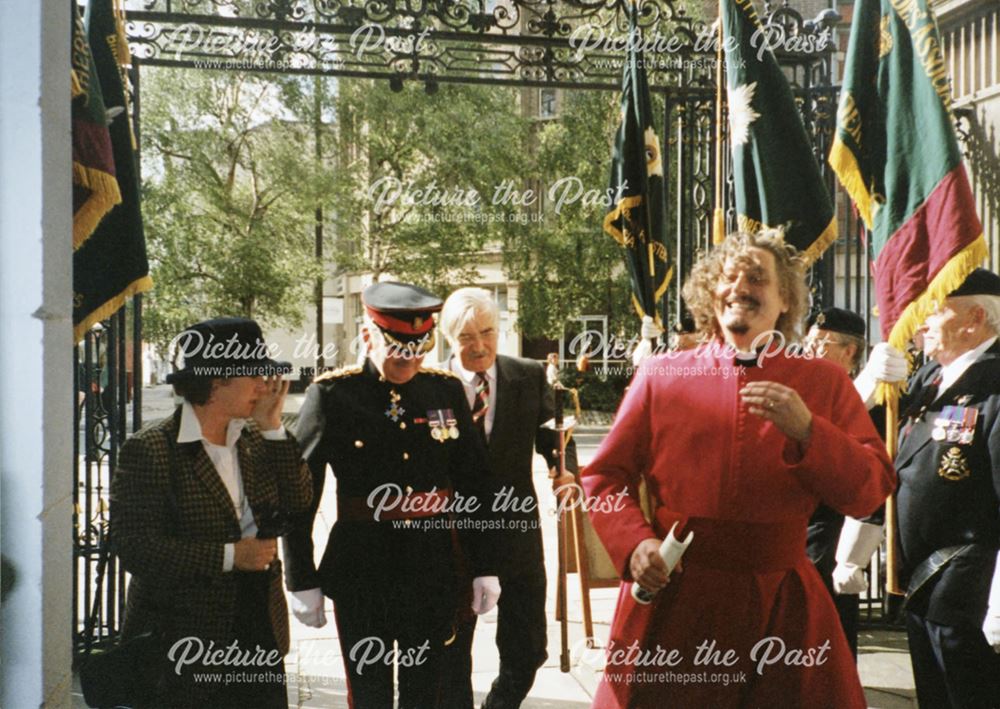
(738, 441)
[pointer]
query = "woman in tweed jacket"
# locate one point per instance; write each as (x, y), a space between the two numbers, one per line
(197, 501)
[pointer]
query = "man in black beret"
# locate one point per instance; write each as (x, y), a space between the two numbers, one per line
(949, 514)
(840, 547)
(414, 506)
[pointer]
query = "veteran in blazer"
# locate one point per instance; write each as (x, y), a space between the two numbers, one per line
(414, 504)
(510, 399)
(196, 503)
(949, 501)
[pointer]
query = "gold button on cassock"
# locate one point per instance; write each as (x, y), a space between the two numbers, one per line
(359, 444)
(406, 456)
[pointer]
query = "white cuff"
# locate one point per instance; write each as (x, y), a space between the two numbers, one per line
(228, 555)
(994, 603)
(275, 434)
(858, 541)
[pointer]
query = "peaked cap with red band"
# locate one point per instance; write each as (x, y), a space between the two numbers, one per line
(403, 312)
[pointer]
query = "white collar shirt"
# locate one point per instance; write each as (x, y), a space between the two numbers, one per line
(226, 461)
(952, 371)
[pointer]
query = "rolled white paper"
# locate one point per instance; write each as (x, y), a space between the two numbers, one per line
(671, 551)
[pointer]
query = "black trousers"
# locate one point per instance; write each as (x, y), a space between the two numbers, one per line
(847, 609)
(953, 666)
(377, 635)
(847, 605)
(520, 639)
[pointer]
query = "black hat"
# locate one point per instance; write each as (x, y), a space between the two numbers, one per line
(979, 282)
(224, 348)
(403, 312)
(838, 320)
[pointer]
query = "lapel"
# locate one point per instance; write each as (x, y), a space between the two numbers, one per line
(248, 471)
(507, 404)
(919, 436)
(193, 456)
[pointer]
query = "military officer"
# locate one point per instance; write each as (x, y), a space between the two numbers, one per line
(838, 335)
(949, 514)
(412, 484)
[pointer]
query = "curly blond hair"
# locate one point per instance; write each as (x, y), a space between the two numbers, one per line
(699, 289)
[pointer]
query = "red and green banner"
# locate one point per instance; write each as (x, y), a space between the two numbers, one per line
(776, 176)
(95, 190)
(110, 266)
(636, 219)
(896, 153)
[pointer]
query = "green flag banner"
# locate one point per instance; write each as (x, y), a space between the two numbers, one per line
(896, 153)
(111, 265)
(636, 219)
(775, 173)
(95, 190)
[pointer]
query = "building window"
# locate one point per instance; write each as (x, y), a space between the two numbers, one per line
(547, 103)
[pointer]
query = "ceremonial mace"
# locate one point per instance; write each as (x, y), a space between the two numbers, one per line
(562, 427)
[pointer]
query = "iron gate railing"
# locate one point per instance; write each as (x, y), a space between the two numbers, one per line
(505, 42)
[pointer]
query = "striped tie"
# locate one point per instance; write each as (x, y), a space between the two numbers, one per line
(481, 404)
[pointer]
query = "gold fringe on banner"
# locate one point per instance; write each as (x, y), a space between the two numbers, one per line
(843, 162)
(948, 279)
(140, 285)
(104, 194)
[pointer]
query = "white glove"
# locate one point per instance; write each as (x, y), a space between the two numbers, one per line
(485, 594)
(647, 333)
(885, 364)
(991, 625)
(858, 541)
(849, 579)
(307, 606)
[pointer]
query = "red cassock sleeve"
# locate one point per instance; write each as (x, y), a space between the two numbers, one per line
(845, 464)
(618, 465)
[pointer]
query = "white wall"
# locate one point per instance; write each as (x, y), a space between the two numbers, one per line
(36, 379)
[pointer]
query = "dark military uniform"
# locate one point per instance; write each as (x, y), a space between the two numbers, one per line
(949, 532)
(397, 579)
(822, 537)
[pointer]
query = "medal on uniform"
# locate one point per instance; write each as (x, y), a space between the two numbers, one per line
(947, 425)
(939, 432)
(968, 431)
(436, 420)
(452, 423)
(395, 410)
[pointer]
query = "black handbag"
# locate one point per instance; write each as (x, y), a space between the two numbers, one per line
(130, 671)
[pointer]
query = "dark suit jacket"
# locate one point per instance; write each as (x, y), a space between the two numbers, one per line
(524, 402)
(171, 517)
(935, 512)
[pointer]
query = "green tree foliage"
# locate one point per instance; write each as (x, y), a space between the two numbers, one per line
(416, 176)
(230, 191)
(566, 265)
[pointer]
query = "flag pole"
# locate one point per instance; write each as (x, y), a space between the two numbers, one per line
(891, 443)
(719, 219)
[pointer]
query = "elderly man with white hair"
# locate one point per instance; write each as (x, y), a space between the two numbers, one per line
(949, 500)
(510, 400)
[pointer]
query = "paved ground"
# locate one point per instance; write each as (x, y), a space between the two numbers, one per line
(316, 668)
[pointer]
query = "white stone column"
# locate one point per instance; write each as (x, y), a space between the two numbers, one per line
(36, 378)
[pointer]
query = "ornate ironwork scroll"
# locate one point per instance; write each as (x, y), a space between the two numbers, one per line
(561, 43)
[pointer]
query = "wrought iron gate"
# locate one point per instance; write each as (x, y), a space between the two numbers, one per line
(524, 43)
